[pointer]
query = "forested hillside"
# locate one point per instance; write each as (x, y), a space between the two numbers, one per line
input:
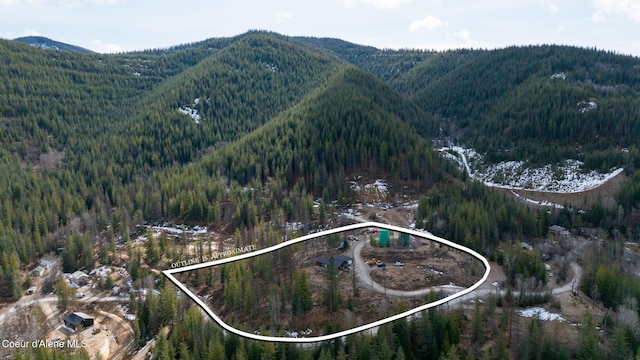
(248, 134)
(79, 131)
(352, 124)
(580, 103)
(46, 43)
(84, 127)
(504, 103)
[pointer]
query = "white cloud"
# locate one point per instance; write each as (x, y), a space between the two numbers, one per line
(430, 22)
(552, 5)
(74, 3)
(380, 4)
(462, 35)
(282, 16)
(99, 46)
(65, 3)
(21, 2)
(30, 32)
(616, 8)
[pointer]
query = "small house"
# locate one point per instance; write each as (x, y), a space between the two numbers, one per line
(80, 278)
(344, 259)
(340, 262)
(559, 230)
(78, 321)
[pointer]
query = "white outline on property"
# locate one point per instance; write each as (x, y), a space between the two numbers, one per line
(205, 308)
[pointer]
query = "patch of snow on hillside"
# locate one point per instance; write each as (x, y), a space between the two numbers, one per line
(191, 111)
(293, 226)
(179, 229)
(559, 75)
(380, 185)
(515, 175)
(412, 226)
(355, 187)
(540, 313)
(412, 205)
(102, 271)
(272, 67)
(584, 106)
(536, 202)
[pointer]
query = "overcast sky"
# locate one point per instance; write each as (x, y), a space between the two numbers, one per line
(126, 25)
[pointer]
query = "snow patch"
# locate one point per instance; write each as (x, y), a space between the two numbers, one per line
(539, 203)
(295, 334)
(380, 185)
(584, 106)
(355, 187)
(514, 175)
(420, 230)
(271, 67)
(179, 229)
(102, 271)
(540, 313)
(411, 206)
(191, 111)
(293, 226)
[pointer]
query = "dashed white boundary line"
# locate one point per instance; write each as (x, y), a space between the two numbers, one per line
(205, 308)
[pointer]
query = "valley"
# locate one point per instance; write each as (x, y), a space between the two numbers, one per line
(115, 168)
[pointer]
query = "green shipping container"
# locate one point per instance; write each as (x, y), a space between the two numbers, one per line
(384, 238)
(404, 239)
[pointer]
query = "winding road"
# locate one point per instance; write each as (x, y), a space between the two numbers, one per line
(362, 272)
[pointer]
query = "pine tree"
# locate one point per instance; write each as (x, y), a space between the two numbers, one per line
(152, 250)
(588, 348)
(301, 293)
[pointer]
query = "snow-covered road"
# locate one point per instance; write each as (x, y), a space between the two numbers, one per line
(516, 175)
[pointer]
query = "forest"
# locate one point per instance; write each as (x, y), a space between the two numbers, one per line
(94, 146)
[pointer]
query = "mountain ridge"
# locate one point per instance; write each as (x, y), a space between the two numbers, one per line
(105, 123)
(49, 44)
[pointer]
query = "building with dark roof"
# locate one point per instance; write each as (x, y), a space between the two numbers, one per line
(341, 262)
(78, 320)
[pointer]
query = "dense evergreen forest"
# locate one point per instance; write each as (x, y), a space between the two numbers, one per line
(242, 134)
(578, 102)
